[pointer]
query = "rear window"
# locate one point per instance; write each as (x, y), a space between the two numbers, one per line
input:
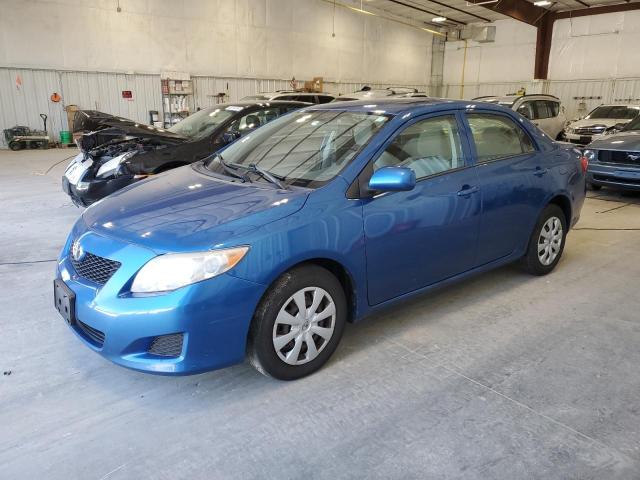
(497, 137)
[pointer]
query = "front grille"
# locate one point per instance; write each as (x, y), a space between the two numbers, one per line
(167, 345)
(613, 156)
(92, 334)
(589, 130)
(94, 268)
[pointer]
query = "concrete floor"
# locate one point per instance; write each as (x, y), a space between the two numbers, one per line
(505, 376)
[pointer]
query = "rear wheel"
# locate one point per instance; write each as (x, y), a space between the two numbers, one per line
(298, 324)
(547, 241)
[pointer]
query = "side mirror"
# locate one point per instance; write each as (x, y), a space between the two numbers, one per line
(393, 179)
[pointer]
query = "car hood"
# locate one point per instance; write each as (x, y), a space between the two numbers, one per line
(624, 141)
(93, 120)
(607, 122)
(185, 210)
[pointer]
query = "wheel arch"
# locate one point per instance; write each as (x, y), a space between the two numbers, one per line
(339, 270)
(564, 203)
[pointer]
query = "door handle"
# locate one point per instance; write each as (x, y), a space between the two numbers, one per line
(540, 171)
(467, 190)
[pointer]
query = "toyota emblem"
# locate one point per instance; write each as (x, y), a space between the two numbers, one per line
(77, 251)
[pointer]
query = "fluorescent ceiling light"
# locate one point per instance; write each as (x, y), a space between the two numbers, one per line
(542, 3)
(439, 19)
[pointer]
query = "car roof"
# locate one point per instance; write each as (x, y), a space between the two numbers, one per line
(259, 103)
(398, 105)
(289, 92)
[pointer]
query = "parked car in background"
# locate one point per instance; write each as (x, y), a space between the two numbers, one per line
(320, 217)
(545, 111)
(614, 161)
(290, 95)
(120, 151)
(603, 120)
(368, 93)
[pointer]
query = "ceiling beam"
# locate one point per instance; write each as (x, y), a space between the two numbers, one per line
(459, 10)
(419, 9)
(518, 9)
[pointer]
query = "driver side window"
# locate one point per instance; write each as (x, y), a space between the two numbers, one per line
(428, 147)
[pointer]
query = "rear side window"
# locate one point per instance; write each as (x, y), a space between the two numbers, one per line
(542, 109)
(497, 137)
(526, 110)
(427, 147)
(554, 108)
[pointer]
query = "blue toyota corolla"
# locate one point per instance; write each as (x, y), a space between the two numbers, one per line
(321, 217)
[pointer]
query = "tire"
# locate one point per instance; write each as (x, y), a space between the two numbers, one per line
(593, 187)
(277, 320)
(537, 263)
(15, 146)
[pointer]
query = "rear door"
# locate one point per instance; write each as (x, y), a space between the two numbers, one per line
(418, 238)
(507, 164)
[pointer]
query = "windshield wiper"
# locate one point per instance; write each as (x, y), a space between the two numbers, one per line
(275, 179)
(228, 168)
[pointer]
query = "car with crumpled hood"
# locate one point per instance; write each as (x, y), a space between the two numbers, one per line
(602, 121)
(117, 152)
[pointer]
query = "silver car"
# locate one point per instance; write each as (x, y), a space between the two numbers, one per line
(601, 121)
(614, 160)
(545, 111)
(290, 95)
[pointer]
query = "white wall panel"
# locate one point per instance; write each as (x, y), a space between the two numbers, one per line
(227, 38)
(599, 46)
(509, 59)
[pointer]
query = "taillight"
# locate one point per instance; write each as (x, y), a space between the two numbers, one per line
(584, 163)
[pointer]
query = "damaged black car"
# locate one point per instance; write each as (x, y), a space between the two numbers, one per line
(118, 152)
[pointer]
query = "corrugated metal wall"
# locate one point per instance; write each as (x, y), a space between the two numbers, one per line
(22, 104)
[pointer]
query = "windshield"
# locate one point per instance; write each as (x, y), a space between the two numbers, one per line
(633, 124)
(613, 111)
(304, 148)
(204, 122)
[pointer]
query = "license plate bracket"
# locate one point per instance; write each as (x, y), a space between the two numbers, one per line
(65, 301)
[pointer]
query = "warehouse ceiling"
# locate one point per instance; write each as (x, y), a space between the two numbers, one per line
(462, 12)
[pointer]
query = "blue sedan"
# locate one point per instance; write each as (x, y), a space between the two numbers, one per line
(265, 250)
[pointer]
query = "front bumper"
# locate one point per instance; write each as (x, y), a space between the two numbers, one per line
(624, 177)
(213, 316)
(87, 192)
(578, 139)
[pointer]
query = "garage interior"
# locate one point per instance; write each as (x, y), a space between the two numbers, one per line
(502, 376)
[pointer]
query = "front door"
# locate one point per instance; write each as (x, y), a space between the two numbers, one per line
(417, 238)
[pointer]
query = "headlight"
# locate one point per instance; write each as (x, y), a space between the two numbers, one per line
(175, 270)
(112, 166)
(591, 155)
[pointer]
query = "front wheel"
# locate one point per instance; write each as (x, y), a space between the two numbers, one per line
(298, 324)
(547, 242)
